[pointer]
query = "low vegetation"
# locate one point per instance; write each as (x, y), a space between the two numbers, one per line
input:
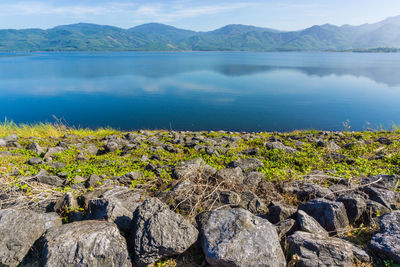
(107, 153)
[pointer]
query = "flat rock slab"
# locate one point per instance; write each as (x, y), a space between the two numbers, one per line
(19, 230)
(85, 243)
(314, 250)
(387, 243)
(236, 237)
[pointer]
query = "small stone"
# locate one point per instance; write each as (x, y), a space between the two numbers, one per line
(53, 150)
(35, 147)
(93, 181)
(252, 203)
(251, 164)
(91, 149)
(251, 152)
(229, 198)
(280, 146)
(111, 147)
(57, 165)
(45, 178)
(35, 161)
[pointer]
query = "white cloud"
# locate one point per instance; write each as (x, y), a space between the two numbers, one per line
(159, 11)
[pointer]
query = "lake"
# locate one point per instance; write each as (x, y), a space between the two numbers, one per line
(202, 90)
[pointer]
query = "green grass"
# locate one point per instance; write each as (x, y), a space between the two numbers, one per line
(47, 130)
(278, 165)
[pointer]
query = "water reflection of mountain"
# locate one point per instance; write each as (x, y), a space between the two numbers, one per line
(386, 75)
(163, 67)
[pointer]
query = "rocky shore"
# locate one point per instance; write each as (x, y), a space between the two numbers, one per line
(168, 198)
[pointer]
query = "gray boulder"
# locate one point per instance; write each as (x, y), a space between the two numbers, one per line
(285, 227)
(374, 209)
(68, 201)
(332, 146)
(354, 204)
(35, 147)
(159, 232)
(253, 179)
(235, 237)
(85, 243)
(193, 170)
(252, 203)
(111, 147)
(84, 199)
(305, 190)
(388, 198)
(35, 161)
(314, 250)
(91, 149)
(231, 175)
(116, 205)
(53, 150)
(280, 146)
(93, 181)
(251, 151)
(19, 230)
(251, 164)
(229, 198)
(129, 177)
(387, 242)
(45, 178)
(279, 212)
(331, 215)
(389, 182)
(309, 224)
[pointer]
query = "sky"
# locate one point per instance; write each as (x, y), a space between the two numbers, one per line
(199, 15)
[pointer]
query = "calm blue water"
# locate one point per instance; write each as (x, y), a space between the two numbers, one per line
(202, 91)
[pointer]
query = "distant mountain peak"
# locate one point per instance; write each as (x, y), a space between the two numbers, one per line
(241, 28)
(154, 26)
(83, 25)
(233, 37)
(392, 20)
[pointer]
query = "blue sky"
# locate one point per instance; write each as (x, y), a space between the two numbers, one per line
(198, 15)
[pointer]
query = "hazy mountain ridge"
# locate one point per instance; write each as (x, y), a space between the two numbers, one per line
(160, 37)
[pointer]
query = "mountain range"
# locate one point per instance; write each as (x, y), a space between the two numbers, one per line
(160, 37)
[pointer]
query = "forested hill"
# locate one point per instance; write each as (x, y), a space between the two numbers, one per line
(160, 37)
